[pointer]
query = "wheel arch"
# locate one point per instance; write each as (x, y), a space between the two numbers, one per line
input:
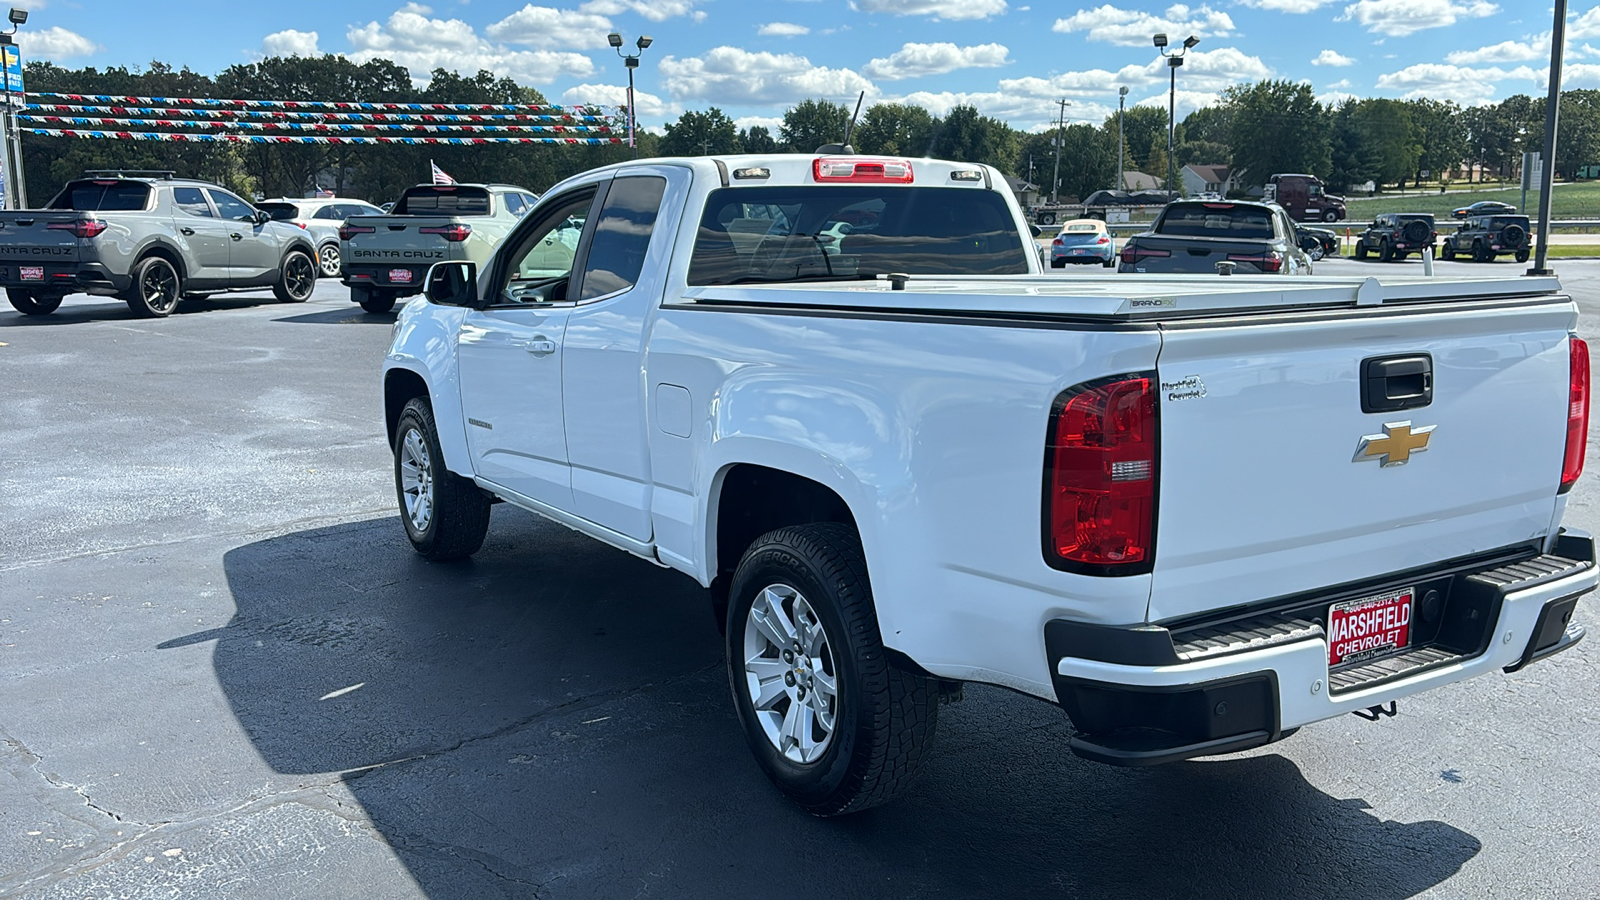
(169, 253)
(402, 384)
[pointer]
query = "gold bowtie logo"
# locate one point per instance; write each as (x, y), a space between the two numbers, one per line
(1395, 446)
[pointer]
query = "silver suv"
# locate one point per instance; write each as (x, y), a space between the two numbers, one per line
(321, 218)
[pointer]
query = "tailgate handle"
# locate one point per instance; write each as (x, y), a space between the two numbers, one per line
(397, 228)
(1390, 383)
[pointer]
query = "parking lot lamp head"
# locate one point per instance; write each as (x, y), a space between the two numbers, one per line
(1189, 42)
(614, 39)
(1160, 40)
(643, 41)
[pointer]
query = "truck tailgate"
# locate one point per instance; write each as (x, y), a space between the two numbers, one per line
(33, 253)
(1273, 479)
(1197, 255)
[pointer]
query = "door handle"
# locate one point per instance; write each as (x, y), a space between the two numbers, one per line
(186, 231)
(237, 236)
(538, 346)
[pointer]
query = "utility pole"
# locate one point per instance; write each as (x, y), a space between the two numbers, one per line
(1547, 166)
(1061, 125)
(1122, 101)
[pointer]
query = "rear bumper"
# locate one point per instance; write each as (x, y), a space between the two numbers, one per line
(61, 278)
(382, 277)
(1137, 697)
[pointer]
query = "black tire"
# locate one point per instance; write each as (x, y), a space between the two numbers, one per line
(1415, 231)
(1361, 248)
(297, 277)
(157, 286)
(1512, 234)
(457, 514)
(884, 718)
(30, 304)
(1447, 250)
(1522, 255)
(1047, 218)
(1109, 263)
(328, 261)
(1330, 216)
(1385, 251)
(378, 302)
(1481, 252)
(1058, 264)
(1315, 252)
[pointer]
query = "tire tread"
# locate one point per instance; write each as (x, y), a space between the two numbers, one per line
(460, 509)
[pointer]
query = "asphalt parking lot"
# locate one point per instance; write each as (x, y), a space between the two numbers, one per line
(223, 673)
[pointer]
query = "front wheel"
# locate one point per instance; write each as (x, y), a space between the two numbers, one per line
(297, 278)
(156, 288)
(831, 720)
(445, 515)
(1361, 249)
(1330, 216)
(1482, 253)
(1315, 252)
(1447, 251)
(1385, 251)
(30, 304)
(328, 260)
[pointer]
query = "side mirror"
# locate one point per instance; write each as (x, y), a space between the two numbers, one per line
(452, 284)
(262, 217)
(1037, 231)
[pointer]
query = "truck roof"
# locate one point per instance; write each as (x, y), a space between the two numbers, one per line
(1120, 297)
(796, 168)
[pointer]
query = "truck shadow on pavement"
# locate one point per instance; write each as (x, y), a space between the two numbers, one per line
(552, 719)
(350, 315)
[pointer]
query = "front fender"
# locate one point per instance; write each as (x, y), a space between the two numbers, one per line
(424, 343)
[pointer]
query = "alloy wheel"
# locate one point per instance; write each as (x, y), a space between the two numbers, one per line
(328, 258)
(416, 480)
(159, 288)
(790, 670)
(298, 276)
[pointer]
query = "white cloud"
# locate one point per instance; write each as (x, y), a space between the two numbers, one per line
(1505, 51)
(654, 10)
(1133, 29)
(1288, 6)
(783, 29)
(918, 60)
(1342, 84)
(1586, 25)
(1334, 98)
(421, 44)
(770, 123)
(729, 76)
(56, 42)
(542, 26)
(653, 110)
(1332, 58)
(939, 9)
(290, 43)
(1186, 101)
(1463, 84)
(1398, 18)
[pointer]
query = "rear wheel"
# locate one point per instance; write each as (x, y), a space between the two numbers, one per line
(1522, 255)
(1109, 263)
(445, 515)
(1058, 264)
(835, 725)
(1047, 218)
(373, 300)
(156, 288)
(297, 278)
(1385, 251)
(1361, 249)
(30, 304)
(1481, 252)
(328, 260)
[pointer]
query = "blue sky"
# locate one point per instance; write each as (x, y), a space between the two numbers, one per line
(1010, 58)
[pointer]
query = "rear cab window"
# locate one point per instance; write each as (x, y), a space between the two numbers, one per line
(103, 195)
(442, 200)
(1229, 220)
(190, 200)
(780, 233)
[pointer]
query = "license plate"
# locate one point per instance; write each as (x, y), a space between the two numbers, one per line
(31, 273)
(1365, 629)
(400, 276)
(1082, 251)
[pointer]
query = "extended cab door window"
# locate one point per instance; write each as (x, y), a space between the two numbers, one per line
(231, 207)
(539, 267)
(621, 236)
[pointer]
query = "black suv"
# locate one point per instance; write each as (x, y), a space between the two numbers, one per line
(1485, 237)
(1396, 236)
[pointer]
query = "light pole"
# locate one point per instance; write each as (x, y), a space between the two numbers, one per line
(15, 193)
(1061, 125)
(1552, 111)
(631, 62)
(1122, 100)
(1174, 60)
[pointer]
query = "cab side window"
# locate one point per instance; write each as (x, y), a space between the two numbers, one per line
(231, 207)
(332, 211)
(514, 204)
(622, 235)
(540, 267)
(191, 201)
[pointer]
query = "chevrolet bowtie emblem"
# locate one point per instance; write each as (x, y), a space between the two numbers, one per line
(1395, 446)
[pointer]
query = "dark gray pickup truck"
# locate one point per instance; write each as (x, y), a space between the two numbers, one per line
(150, 240)
(1217, 237)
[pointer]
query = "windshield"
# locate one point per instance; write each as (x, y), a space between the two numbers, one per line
(442, 199)
(280, 212)
(774, 234)
(102, 196)
(1216, 220)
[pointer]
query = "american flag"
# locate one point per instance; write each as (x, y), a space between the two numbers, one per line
(440, 176)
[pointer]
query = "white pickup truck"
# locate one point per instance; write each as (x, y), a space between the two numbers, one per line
(839, 392)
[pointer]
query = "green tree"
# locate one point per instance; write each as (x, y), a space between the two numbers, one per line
(757, 139)
(1440, 134)
(895, 129)
(700, 134)
(812, 123)
(1209, 124)
(1388, 138)
(966, 136)
(1141, 126)
(1277, 126)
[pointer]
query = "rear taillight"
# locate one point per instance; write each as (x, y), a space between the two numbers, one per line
(84, 229)
(1577, 414)
(301, 224)
(861, 169)
(1103, 240)
(1266, 263)
(1058, 243)
(452, 233)
(1132, 254)
(1100, 477)
(346, 232)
